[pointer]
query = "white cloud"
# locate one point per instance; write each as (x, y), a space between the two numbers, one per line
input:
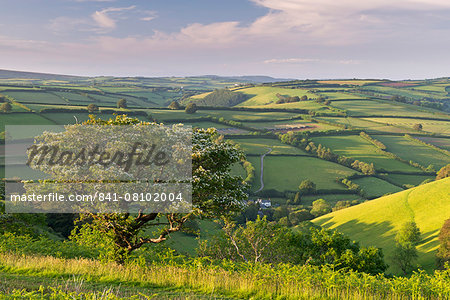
(148, 15)
(309, 60)
(103, 18)
(95, 0)
(290, 60)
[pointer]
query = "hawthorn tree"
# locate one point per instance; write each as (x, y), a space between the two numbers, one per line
(92, 108)
(307, 187)
(418, 127)
(405, 252)
(215, 193)
(122, 103)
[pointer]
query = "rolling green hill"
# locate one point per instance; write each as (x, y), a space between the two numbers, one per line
(376, 222)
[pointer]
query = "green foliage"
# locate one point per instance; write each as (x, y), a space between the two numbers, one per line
(299, 216)
(174, 105)
(376, 142)
(344, 204)
(444, 172)
(320, 207)
(249, 213)
(26, 244)
(409, 233)
(92, 108)
(418, 127)
(222, 279)
(443, 255)
(376, 222)
(286, 99)
(263, 241)
(222, 98)
(122, 103)
(6, 107)
(191, 108)
(405, 252)
(215, 193)
(250, 170)
(307, 187)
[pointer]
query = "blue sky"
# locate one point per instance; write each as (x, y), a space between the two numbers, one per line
(396, 39)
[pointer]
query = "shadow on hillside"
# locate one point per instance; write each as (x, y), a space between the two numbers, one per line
(427, 244)
(366, 232)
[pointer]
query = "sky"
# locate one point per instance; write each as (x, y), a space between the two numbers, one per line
(304, 39)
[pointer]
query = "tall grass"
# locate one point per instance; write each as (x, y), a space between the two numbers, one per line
(239, 280)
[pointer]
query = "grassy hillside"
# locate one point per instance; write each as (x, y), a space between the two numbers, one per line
(376, 222)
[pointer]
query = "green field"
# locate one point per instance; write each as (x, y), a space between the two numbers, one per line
(375, 187)
(331, 198)
(22, 119)
(431, 126)
(382, 108)
(406, 92)
(286, 173)
(260, 146)
(376, 222)
(339, 96)
(267, 95)
(401, 179)
(36, 97)
(159, 98)
(438, 142)
(366, 125)
(414, 151)
(308, 105)
(286, 125)
(358, 148)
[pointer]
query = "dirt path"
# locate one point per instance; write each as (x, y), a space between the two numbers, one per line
(262, 169)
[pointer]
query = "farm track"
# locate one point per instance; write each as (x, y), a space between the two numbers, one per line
(262, 169)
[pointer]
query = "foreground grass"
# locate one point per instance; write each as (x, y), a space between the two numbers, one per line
(200, 277)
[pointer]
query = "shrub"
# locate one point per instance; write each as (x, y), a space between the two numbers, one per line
(191, 108)
(307, 187)
(122, 103)
(320, 207)
(92, 108)
(443, 255)
(174, 105)
(6, 107)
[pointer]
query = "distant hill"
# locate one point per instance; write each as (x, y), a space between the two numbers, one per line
(376, 222)
(251, 78)
(221, 97)
(4, 74)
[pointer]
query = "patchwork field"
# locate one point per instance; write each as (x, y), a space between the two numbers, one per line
(260, 146)
(286, 173)
(36, 97)
(401, 179)
(331, 199)
(439, 142)
(415, 151)
(381, 108)
(358, 148)
(431, 126)
(22, 119)
(267, 95)
(375, 187)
